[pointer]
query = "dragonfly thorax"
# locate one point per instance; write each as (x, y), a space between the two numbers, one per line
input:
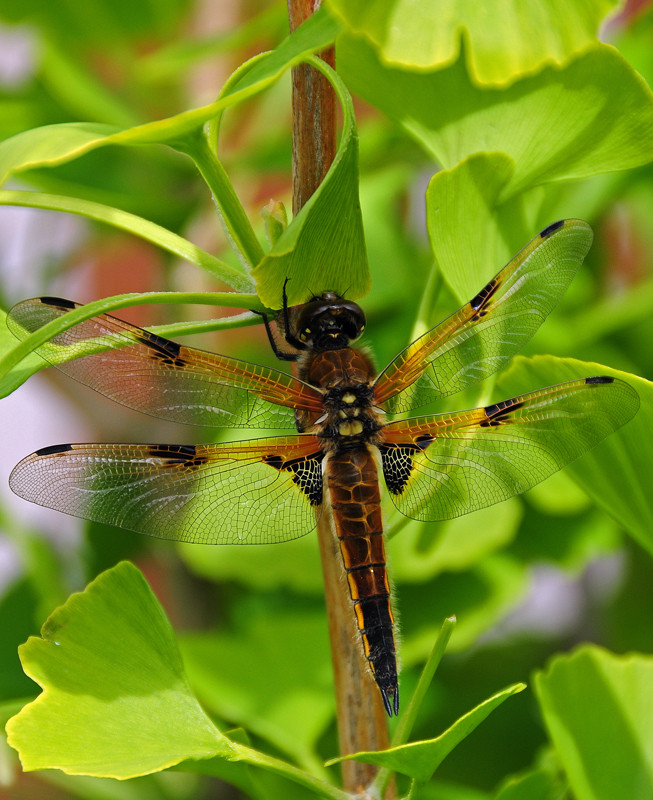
(349, 417)
(337, 370)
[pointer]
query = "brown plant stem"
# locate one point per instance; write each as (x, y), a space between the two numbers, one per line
(362, 723)
(313, 116)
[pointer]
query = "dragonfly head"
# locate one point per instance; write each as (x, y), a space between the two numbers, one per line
(329, 322)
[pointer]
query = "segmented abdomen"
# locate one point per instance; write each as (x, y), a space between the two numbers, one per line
(353, 484)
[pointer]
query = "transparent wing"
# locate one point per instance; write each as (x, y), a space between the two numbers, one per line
(159, 377)
(480, 337)
(443, 466)
(254, 492)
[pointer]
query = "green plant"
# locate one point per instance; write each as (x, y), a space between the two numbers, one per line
(523, 135)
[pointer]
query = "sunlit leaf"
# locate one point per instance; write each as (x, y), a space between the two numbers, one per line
(322, 248)
(115, 701)
(499, 46)
(593, 116)
(597, 708)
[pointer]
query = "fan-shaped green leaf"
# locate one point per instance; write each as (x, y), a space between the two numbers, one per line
(427, 36)
(598, 710)
(115, 702)
(595, 115)
(467, 225)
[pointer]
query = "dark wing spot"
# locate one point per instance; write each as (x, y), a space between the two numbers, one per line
(58, 302)
(55, 448)
(424, 440)
(158, 343)
(176, 454)
(397, 462)
(599, 379)
(164, 450)
(165, 350)
(554, 226)
(483, 297)
(500, 412)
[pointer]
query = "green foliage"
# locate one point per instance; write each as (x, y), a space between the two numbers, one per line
(591, 116)
(550, 32)
(591, 698)
(131, 711)
(419, 760)
(508, 119)
(117, 709)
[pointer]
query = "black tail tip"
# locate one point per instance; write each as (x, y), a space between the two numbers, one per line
(390, 695)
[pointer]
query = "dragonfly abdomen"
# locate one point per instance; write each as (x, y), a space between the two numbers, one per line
(353, 486)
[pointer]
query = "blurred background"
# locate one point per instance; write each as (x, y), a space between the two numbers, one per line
(526, 579)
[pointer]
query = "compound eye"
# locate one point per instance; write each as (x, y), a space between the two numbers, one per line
(353, 331)
(355, 323)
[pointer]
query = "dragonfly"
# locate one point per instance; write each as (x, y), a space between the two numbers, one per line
(344, 427)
